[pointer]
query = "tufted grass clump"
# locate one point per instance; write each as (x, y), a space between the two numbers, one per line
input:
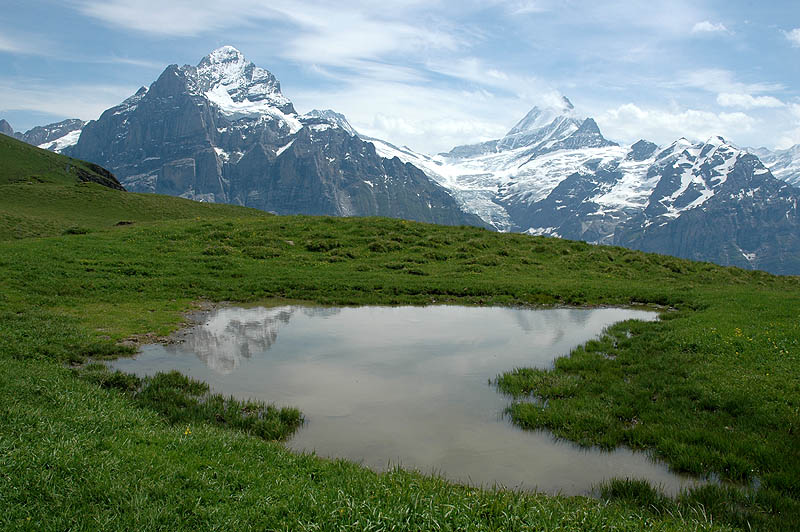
(183, 400)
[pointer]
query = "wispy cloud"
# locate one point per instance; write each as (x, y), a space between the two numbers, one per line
(7, 45)
(793, 36)
(709, 27)
(424, 117)
(181, 18)
(630, 122)
(523, 7)
(719, 80)
(747, 101)
(480, 73)
(435, 73)
(26, 43)
(85, 101)
(32, 44)
(354, 35)
(116, 60)
(791, 136)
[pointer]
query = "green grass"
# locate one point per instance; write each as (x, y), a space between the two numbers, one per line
(74, 456)
(43, 209)
(182, 400)
(711, 388)
(22, 163)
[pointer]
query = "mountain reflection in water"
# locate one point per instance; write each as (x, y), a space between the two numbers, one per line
(230, 335)
(406, 385)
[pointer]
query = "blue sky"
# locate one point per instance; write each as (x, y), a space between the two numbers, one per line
(432, 74)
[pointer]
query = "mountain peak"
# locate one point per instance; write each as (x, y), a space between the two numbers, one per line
(238, 86)
(5, 128)
(228, 66)
(539, 117)
(225, 54)
(716, 140)
(641, 150)
(333, 118)
(589, 127)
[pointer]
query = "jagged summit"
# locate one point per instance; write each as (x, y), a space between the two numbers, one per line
(222, 131)
(228, 66)
(641, 150)
(539, 117)
(588, 128)
(54, 137)
(224, 54)
(331, 117)
(784, 164)
(5, 128)
(542, 130)
(238, 86)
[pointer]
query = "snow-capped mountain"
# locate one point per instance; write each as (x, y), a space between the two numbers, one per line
(54, 137)
(331, 117)
(522, 167)
(784, 164)
(223, 131)
(555, 174)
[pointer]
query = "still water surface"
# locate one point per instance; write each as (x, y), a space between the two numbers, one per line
(408, 386)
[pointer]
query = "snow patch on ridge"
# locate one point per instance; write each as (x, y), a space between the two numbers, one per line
(61, 143)
(241, 89)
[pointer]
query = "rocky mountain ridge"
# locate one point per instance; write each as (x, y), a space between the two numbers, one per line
(784, 164)
(222, 131)
(54, 137)
(706, 201)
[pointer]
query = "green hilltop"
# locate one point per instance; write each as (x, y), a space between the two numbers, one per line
(711, 388)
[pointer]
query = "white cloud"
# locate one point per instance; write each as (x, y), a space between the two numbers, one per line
(747, 101)
(721, 81)
(175, 18)
(630, 122)
(426, 118)
(30, 44)
(794, 37)
(360, 37)
(316, 32)
(8, 45)
(709, 27)
(791, 137)
(397, 125)
(476, 71)
(524, 7)
(74, 101)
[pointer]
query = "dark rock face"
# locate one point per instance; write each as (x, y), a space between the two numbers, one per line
(570, 209)
(641, 150)
(51, 132)
(708, 201)
(330, 172)
(98, 174)
(587, 136)
(751, 221)
(51, 136)
(223, 132)
(5, 128)
(784, 164)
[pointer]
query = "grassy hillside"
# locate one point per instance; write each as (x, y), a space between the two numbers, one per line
(712, 388)
(47, 194)
(22, 163)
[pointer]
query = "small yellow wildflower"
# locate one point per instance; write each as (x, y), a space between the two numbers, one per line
(187, 431)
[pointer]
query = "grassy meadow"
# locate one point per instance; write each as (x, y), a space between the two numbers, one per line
(86, 272)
